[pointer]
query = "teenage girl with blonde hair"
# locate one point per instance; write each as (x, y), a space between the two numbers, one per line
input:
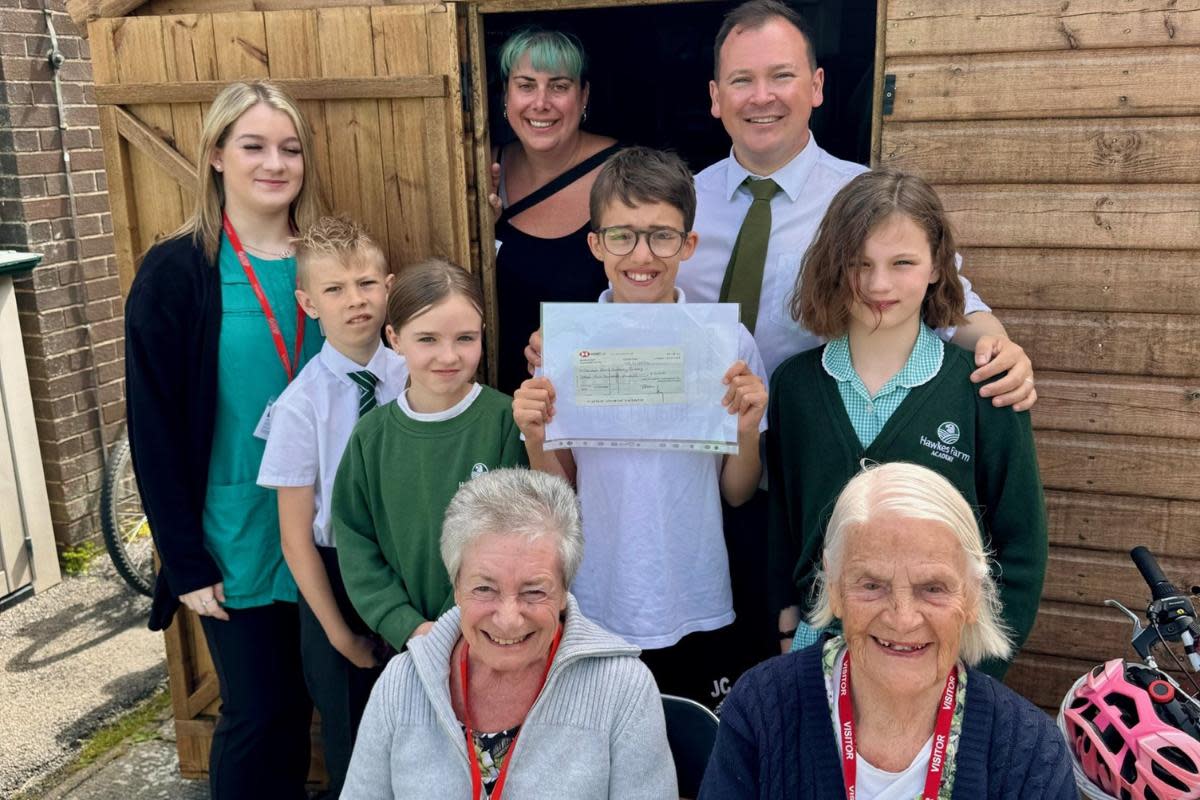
(213, 335)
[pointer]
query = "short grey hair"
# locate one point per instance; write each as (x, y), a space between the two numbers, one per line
(514, 502)
(915, 492)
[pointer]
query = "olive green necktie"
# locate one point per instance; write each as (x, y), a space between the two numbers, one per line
(744, 275)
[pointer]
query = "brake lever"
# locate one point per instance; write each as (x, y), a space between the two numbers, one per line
(1142, 637)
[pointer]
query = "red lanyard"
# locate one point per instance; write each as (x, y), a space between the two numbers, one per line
(941, 733)
(289, 366)
(476, 775)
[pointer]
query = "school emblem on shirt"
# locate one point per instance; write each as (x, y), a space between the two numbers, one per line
(948, 432)
(479, 469)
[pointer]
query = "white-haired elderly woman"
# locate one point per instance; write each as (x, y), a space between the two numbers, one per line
(513, 693)
(893, 708)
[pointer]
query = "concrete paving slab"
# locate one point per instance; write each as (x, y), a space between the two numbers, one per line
(72, 658)
(145, 770)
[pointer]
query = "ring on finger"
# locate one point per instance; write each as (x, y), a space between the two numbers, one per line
(206, 603)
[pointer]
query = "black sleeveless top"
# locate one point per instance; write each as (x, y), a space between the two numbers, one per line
(531, 270)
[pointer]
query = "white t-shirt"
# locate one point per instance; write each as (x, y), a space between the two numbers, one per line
(874, 783)
(654, 566)
(439, 416)
(312, 420)
(808, 182)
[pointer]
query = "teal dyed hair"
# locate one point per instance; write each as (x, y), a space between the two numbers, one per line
(549, 51)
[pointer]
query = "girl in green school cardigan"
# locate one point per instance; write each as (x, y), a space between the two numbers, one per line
(878, 278)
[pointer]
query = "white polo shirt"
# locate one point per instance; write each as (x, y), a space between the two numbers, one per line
(654, 565)
(312, 421)
(809, 181)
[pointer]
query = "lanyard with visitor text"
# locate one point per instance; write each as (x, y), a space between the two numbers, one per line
(476, 775)
(289, 366)
(941, 734)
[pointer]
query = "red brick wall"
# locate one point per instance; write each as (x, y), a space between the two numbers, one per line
(58, 315)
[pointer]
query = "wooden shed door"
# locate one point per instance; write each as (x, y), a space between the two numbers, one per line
(1064, 141)
(382, 90)
(380, 86)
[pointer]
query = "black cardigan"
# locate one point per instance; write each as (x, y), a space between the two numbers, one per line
(172, 331)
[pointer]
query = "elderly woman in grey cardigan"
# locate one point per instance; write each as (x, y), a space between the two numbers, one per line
(513, 693)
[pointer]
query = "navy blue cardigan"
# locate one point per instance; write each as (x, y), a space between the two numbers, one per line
(776, 741)
(172, 331)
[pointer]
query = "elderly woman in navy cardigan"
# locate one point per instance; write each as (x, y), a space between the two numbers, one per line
(892, 708)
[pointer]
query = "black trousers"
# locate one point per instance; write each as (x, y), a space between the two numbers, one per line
(260, 747)
(746, 540)
(704, 666)
(339, 689)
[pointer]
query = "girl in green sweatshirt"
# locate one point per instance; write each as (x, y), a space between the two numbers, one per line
(406, 460)
(878, 278)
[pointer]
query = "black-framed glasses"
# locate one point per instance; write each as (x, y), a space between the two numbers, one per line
(621, 241)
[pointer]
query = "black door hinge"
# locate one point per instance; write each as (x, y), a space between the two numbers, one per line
(889, 94)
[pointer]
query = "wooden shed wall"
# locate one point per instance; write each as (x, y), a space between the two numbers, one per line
(1064, 139)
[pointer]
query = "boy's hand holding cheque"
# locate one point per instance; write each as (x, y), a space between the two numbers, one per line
(746, 396)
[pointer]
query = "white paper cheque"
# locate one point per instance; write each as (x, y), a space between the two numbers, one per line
(640, 375)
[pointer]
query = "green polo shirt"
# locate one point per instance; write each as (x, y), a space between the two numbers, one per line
(241, 519)
(868, 414)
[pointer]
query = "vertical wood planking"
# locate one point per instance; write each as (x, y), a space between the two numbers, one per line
(344, 50)
(445, 141)
(121, 193)
(241, 46)
(139, 58)
(482, 154)
(401, 38)
(190, 56)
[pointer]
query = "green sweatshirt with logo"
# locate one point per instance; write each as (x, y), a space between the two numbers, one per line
(986, 452)
(391, 491)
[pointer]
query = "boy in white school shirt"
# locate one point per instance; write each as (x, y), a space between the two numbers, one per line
(342, 281)
(655, 567)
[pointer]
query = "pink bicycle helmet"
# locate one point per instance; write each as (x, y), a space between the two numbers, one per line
(1135, 735)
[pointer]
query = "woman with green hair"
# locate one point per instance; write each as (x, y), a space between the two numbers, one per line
(542, 181)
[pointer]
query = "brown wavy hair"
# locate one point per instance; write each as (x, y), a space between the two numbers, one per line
(828, 281)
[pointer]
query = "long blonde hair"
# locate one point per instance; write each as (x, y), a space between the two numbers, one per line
(204, 223)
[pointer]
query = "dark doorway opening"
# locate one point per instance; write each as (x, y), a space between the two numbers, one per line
(650, 67)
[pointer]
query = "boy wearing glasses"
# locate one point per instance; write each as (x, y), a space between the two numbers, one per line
(655, 570)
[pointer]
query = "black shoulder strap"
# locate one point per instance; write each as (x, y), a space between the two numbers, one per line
(562, 181)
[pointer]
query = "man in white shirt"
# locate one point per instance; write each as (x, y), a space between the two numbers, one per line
(766, 85)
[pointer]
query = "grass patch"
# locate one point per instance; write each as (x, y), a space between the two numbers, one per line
(137, 726)
(76, 560)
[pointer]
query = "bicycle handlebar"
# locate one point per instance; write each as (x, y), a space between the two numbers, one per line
(1147, 565)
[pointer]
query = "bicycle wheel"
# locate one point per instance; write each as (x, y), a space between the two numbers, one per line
(126, 531)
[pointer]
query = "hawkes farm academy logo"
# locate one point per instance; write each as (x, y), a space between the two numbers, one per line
(948, 434)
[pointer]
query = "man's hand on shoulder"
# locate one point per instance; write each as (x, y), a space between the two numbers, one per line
(995, 355)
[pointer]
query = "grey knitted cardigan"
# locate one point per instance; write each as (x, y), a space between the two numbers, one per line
(596, 730)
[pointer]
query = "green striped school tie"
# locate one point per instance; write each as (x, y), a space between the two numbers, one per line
(366, 380)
